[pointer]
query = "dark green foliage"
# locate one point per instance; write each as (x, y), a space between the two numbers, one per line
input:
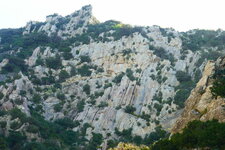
(118, 78)
(146, 117)
(84, 70)
(126, 52)
(99, 70)
(184, 89)
(15, 140)
(55, 135)
(45, 80)
(85, 59)
(16, 113)
(158, 107)
(103, 104)
(165, 144)
(67, 123)
(53, 62)
(37, 146)
(182, 76)
(98, 94)
(130, 109)
(63, 75)
(119, 29)
(61, 96)
(155, 136)
(39, 61)
(14, 65)
(158, 97)
(130, 75)
(80, 39)
(96, 140)
(196, 135)
(1, 95)
(86, 89)
(15, 125)
(61, 22)
(23, 93)
(80, 105)
(73, 71)
(58, 107)
(32, 129)
(181, 96)
(125, 30)
(107, 85)
(96, 29)
(218, 88)
(18, 101)
(10, 36)
(197, 39)
(36, 98)
(125, 135)
(3, 124)
(67, 55)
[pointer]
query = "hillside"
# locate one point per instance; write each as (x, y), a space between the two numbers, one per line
(75, 83)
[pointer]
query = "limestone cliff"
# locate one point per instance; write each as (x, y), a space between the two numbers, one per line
(201, 104)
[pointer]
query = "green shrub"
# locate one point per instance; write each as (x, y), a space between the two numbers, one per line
(3, 124)
(53, 62)
(15, 140)
(107, 85)
(63, 75)
(58, 107)
(61, 96)
(87, 89)
(80, 106)
(67, 123)
(103, 104)
(67, 55)
(182, 76)
(196, 135)
(15, 125)
(158, 107)
(36, 98)
(32, 129)
(130, 75)
(130, 109)
(1, 95)
(84, 70)
(16, 113)
(14, 65)
(118, 78)
(85, 59)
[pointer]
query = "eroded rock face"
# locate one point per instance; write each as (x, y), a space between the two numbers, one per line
(64, 27)
(201, 105)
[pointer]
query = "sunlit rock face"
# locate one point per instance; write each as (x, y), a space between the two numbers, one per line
(201, 104)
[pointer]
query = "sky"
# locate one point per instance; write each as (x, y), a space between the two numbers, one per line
(182, 15)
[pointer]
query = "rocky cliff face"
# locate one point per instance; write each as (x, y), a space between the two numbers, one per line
(201, 104)
(109, 75)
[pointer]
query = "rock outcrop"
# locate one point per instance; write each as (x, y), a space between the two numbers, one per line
(201, 104)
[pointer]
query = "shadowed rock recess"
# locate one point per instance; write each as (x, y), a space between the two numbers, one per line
(76, 83)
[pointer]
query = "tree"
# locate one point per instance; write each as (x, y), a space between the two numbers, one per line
(182, 76)
(130, 109)
(86, 89)
(63, 75)
(53, 62)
